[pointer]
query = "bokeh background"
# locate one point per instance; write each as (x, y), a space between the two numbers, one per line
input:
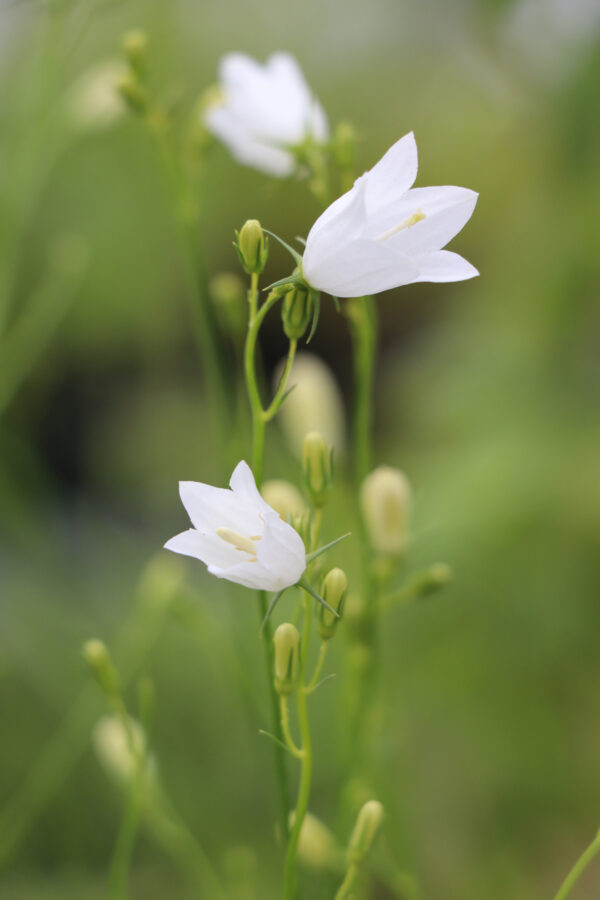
(486, 395)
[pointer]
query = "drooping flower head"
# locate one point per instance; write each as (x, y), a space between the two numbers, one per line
(262, 112)
(238, 535)
(384, 233)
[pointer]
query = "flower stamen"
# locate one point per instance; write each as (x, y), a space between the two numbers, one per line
(418, 216)
(239, 541)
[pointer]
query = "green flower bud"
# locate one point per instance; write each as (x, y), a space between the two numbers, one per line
(285, 498)
(96, 655)
(286, 640)
(317, 466)
(228, 294)
(296, 311)
(135, 46)
(365, 831)
(132, 93)
(252, 247)
(385, 499)
(333, 591)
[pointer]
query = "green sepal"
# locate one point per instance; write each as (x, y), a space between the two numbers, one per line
(316, 553)
(294, 253)
(315, 318)
(309, 589)
(291, 279)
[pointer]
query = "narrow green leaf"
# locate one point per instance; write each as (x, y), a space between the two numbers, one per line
(294, 253)
(307, 587)
(270, 610)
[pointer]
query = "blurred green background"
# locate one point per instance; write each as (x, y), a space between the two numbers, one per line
(486, 395)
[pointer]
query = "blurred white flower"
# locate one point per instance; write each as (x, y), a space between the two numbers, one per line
(93, 101)
(238, 535)
(261, 113)
(382, 234)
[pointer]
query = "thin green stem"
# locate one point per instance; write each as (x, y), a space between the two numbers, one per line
(579, 868)
(290, 873)
(285, 727)
(121, 860)
(275, 403)
(318, 668)
(255, 320)
(186, 214)
(348, 882)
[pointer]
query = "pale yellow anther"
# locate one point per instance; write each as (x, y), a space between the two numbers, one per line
(412, 220)
(238, 540)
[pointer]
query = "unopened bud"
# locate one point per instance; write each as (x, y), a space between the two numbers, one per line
(296, 311)
(228, 293)
(344, 145)
(252, 247)
(132, 93)
(317, 467)
(121, 747)
(333, 591)
(314, 404)
(96, 655)
(285, 498)
(286, 640)
(365, 831)
(385, 500)
(317, 846)
(135, 46)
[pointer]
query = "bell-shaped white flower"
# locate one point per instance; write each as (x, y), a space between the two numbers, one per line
(383, 233)
(238, 535)
(262, 112)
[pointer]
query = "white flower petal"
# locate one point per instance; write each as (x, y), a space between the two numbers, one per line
(248, 574)
(343, 221)
(360, 268)
(204, 547)
(443, 265)
(445, 211)
(211, 507)
(243, 485)
(394, 174)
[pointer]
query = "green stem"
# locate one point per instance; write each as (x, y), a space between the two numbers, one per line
(121, 860)
(273, 407)
(280, 761)
(259, 420)
(290, 875)
(186, 215)
(579, 868)
(362, 316)
(285, 727)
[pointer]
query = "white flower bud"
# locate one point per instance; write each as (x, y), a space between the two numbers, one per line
(93, 101)
(119, 751)
(317, 846)
(285, 498)
(315, 404)
(365, 831)
(385, 500)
